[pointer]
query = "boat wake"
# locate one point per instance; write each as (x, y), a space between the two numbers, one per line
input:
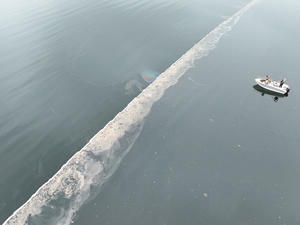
(84, 175)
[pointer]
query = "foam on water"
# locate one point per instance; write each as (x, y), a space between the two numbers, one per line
(83, 176)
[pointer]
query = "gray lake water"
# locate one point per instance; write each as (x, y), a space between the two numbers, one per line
(200, 145)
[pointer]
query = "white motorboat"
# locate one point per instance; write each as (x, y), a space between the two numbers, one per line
(273, 85)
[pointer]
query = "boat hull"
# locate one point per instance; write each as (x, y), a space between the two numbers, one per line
(273, 86)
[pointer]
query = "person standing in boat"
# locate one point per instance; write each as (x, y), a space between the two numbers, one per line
(281, 83)
(267, 79)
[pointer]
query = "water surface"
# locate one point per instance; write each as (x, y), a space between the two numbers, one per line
(211, 150)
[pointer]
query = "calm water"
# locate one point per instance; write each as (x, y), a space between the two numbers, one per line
(198, 146)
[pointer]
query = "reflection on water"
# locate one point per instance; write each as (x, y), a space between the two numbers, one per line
(275, 96)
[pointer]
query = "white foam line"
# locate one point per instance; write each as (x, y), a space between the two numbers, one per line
(74, 179)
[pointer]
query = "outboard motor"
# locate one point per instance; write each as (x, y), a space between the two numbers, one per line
(287, 90)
